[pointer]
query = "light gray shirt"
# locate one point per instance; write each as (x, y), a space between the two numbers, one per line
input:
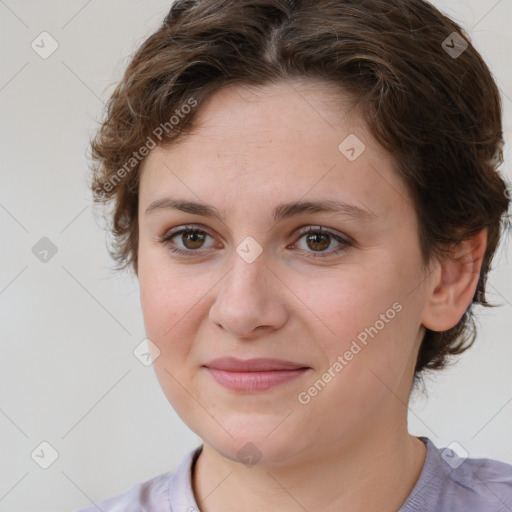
(447, 483)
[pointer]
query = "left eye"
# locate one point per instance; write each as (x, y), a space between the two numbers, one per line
(316, 238)
(322, 238)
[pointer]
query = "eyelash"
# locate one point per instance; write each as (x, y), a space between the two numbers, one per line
(345, 243)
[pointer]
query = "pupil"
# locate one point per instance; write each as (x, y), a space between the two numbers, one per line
(314, 238)
(194, 237)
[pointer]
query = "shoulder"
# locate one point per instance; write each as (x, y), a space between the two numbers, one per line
(450, 482)
(155, 494)
(149, 495)
(479, 482)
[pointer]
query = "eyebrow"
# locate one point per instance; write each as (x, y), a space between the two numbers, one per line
(280, 212)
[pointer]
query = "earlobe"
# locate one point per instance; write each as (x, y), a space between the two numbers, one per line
(455, 284)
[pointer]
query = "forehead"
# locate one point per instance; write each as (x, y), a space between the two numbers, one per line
(287, 108)
(262, 146)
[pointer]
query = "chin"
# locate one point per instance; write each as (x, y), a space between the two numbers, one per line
(263, 446)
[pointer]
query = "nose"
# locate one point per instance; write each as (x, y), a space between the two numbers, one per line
(250, 300)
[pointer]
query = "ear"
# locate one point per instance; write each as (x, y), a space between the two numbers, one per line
(454, 285)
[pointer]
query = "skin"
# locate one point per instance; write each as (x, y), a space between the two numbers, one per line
(348, 448)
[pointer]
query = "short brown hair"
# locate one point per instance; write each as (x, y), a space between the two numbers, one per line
(438, 112)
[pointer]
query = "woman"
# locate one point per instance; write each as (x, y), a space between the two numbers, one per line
(308, 194)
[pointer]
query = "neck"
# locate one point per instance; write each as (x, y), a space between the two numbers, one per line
(371, 471)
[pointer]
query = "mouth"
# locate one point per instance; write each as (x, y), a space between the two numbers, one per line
(253, 375)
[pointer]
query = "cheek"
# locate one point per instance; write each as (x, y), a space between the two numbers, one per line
(167, 316)
(173, 308)
(367, 321)
(165, 295)
(165, 325)
(343, 304)
(158, 307)
(363, 375)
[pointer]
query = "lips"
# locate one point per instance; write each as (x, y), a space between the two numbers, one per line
(252, 375)
(232, 364)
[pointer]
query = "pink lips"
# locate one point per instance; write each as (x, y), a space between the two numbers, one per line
(253, 375)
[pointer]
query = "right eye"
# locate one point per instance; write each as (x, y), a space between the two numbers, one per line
(192, 237)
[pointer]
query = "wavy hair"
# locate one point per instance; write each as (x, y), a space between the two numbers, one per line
(428, 100)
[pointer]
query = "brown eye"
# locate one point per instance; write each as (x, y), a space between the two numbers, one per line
(188, 241)
(317, 240)
(191, 239)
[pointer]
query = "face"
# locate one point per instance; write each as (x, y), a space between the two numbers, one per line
(345, 302)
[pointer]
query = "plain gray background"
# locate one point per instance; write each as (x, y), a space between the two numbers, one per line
(68, 375)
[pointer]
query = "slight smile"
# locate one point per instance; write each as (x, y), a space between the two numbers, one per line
(252, 375)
